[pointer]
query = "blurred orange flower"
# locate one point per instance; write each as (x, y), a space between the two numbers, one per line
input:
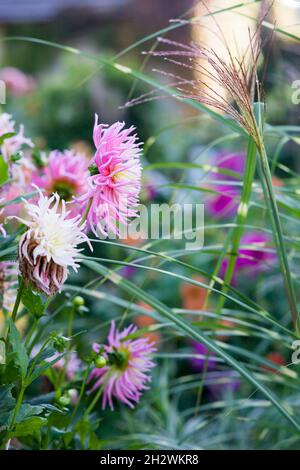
(277, 359)
(193, 297)
(144, 321)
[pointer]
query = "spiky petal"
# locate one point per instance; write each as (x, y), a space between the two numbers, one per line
(49, 247)
(114, 187)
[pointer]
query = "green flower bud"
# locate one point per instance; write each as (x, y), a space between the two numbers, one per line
(64, 400)
(78, 301)
(100, 362)
(59, 343)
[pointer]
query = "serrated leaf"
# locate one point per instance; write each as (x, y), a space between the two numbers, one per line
(29, 426)
(35, 302)
(20, 356)
(7, 403)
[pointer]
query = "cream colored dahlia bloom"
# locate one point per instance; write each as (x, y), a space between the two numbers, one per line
(49, 247)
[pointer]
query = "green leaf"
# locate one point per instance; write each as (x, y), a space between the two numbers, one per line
(5, 136)
(43, 368)
(4, 175)
(34, 301)
(7, 403)
(29, 426)
(20, 355)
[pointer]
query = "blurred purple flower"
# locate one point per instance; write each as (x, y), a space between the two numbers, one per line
(217, 382)
(128, 271)
(220, 383)
(207, 361)
(255, 259)
(225, 203)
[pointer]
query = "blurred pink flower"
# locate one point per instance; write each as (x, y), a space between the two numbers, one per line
(73, 364)
(254, 255)
(115, 183)
(225, 203)
(9, 192)
(12, 144)
(16, 81)
(128, 363)
(70, 363)
(65, 173)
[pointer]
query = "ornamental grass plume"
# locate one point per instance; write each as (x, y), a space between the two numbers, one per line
(115, 181)
(126, 373)
(212, 71)
(49, 247)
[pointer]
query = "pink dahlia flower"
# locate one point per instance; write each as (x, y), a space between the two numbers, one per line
(254, 256)
(128, 363)
(65, 173)
(8, 193)
(225, 202)
(16, 81)
(115, 183)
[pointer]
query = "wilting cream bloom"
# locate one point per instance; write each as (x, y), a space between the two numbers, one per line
(49, 247)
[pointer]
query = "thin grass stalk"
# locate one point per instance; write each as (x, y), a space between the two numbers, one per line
(270, 199)
(241, 217)
(278, 236)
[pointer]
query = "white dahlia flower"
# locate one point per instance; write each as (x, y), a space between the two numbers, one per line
(49, 247)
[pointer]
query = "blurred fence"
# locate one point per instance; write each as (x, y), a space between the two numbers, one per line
(45, 10)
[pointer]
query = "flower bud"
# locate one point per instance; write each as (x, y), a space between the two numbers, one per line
(64, 400)
(58, 343)
(73, 395)
(100, 362)
(78, 301)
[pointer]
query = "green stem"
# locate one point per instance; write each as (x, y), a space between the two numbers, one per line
(18, 405)
(31, 331)
(18, 300)
(278, 236)
(86, 212)
(95, 400)
(270, 198)
(241, 217)
(85, 377)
